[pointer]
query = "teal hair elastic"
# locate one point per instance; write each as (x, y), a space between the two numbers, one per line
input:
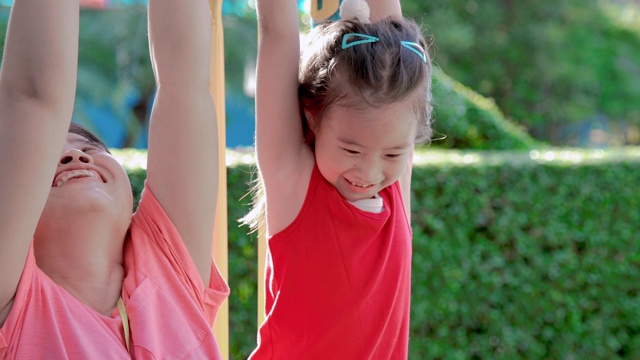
(363, 40)
(358, 39)
(416, 48)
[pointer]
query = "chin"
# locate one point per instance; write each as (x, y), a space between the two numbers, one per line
(349, 196)
(96, 201)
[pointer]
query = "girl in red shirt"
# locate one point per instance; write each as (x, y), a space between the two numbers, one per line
(335, 132)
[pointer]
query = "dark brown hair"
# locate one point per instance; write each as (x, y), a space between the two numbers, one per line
(368, 74)
(374, 73)
(85, 133)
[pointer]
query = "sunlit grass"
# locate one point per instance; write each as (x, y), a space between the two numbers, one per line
(557, 156)
(135, 158)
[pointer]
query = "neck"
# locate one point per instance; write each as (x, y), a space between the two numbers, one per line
(84, 255)
(97, 285)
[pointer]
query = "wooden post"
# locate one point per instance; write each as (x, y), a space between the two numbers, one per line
(220, 235)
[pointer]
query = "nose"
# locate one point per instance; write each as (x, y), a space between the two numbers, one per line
(369, 170)
(75, 155)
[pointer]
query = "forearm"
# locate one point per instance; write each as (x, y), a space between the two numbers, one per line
(183, 150)
(278, 18)
(278, 127)
(381, 9)
(180, 42)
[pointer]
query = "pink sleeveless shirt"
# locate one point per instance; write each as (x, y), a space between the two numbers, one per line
(338, 280)
(170, 310)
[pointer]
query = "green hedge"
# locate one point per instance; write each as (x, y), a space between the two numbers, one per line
(529, 255)
(527, 258)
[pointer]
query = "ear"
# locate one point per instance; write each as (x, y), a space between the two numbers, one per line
(308, 126)
(311, 120)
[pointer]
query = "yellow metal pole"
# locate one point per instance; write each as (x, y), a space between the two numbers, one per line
(220, 236)
(262, 254)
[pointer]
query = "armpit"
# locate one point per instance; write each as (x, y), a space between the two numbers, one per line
(4, 312)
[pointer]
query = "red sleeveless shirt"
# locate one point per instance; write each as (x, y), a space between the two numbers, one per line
(338, 280)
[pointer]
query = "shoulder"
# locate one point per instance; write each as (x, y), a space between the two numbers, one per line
(21, 298)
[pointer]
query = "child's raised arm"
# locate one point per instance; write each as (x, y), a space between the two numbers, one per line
(37, 90)
(183, 149)
(381, 9)
(284, 160)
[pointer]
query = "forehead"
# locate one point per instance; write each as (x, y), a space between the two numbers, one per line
(387, 126)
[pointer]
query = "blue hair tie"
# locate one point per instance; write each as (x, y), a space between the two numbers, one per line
(416, 48)
(363, 40)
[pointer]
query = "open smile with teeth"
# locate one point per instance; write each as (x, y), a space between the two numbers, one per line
(359, 185)
(74, 174)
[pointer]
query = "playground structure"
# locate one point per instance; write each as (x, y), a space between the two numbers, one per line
(220, 252)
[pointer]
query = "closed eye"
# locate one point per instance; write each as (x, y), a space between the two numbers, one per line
(393, 156)
(351, 152)
(86, 149)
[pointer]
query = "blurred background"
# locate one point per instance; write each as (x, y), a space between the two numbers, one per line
(566, 73)
(526, 251)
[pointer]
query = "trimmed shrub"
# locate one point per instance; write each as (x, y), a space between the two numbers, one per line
(523, 258)
(466, 120)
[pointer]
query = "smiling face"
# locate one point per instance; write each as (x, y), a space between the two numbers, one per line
(362, 151)
(88, 180)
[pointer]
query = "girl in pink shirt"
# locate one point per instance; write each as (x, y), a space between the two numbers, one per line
(335, 132)
(80, 278)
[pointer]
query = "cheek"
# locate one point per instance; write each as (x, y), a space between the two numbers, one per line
(127, 191)
(128, 194)
(123, 185)
(326, 153)
(395, 169)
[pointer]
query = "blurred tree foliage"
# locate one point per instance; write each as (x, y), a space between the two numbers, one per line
(240, 43)
(114, 69)
(115, 76)
(546, 63)
(4, 18)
